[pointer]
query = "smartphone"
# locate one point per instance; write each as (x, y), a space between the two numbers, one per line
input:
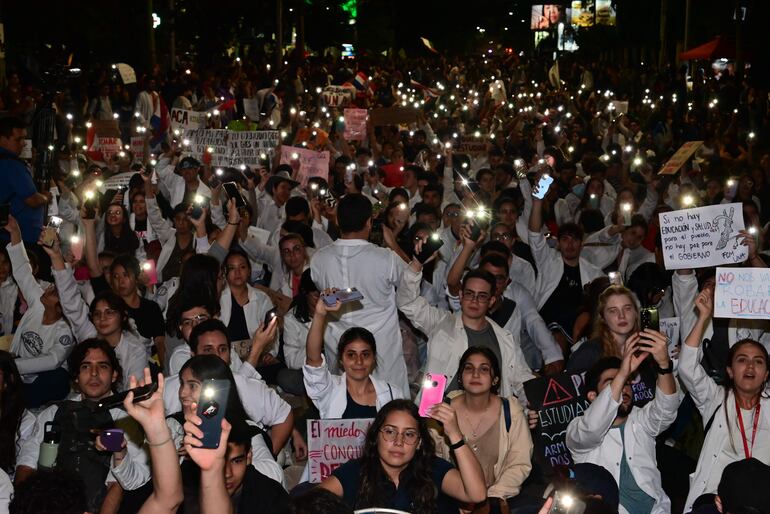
(89, 205)
(429, 247)
(615, 278)
(112, 439)
(148, 267)
(474, 227)
(565, 503)
(50, 231)
(542, 186)
(231, 189)
(5, 211)
(350, 294)
(116, 400)
(431, 392)
(211, 409)
(649, 318)
(269, 315)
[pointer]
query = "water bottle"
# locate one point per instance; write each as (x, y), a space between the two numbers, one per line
(49, 448)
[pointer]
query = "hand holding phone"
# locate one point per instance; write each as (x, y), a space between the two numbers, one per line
(431, 392)
(116, 400)
(112, 439)
(211, 410)
(350, 294)
(231, 189)
(270, 316)
(429, 247)
(542, 186)
(50, 231)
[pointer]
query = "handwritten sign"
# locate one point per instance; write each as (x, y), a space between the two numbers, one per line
(251, 108)
(670, 327)
(473, 146)
(212, 142)
(680, 157)
(703, 236)
(355, 124)
(182, 119)
(137, 147)
(558, 400)
(337, 96)
(742, 293)
(246, 147)
(393, 115)
(333, 442)
(306, 163)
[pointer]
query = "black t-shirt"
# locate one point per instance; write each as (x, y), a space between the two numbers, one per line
(355, 410)
(237, 328)
(349, 475)
(561, 306)
(148, 318)
(522, 250)
(503, 312)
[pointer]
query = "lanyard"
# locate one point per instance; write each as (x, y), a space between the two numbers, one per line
(747, 451)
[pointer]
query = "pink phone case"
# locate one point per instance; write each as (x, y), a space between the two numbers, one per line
(432, 390)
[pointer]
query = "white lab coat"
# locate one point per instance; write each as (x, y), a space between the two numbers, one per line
(375, 272)
(130, 351)
(550, 268)
(6, 492)
(603, 250)
(447, 339)
(590, 440)
(37, 347)
(254, 311)
(269, 216)
(132, 473)
(174, 185)
(9, 293)
(709, 398)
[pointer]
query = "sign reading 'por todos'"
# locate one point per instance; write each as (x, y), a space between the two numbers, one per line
(333, 442)
(742, 293)
(703, 236)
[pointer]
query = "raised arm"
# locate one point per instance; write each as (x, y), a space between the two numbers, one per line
(214, 497)
(92, 257)
(415, 307)
(456, 272)
(22, 271)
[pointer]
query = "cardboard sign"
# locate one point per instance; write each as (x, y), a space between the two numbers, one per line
(619, 107)
(473, 146)
(208, 141)
(703, 236)
(306, 163)
(393, 115)
(337, 96)
(245, 147)
(127, 73)
(670, 328)
(742, 293)
(355, 124)
(333, 442)
(251, 108)
(558, 400)
(105, 146)
(137, 147)
(182, 119)
(680, 157)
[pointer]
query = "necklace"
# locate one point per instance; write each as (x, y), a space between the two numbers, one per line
(475, 429)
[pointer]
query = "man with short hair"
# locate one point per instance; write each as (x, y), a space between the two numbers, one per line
(620, 437)
(27, 204)
(619, 247)
(352, 261)
(181, 182)
(272, 196)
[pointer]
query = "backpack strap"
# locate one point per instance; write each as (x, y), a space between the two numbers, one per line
(710, 422)
(507, 413)
(390, 390)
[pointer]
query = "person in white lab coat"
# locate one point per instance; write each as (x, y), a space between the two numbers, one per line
(612, 433)
(352, 261)
(619, 247)
(181, 181)
(736, 415)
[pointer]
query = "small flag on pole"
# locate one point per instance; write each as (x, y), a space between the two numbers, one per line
(428, 44)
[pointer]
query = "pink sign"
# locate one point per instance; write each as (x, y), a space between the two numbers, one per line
(333, 442)
(355, 124)
(306, 163)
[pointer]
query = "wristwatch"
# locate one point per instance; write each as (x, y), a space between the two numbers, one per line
(458, 444)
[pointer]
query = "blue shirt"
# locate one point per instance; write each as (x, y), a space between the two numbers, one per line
(16, 185)
(632, 498)
(349, 475)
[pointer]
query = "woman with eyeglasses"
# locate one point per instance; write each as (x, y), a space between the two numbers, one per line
(107, 318)
(399, 468)
(494, 427)
(118, 236)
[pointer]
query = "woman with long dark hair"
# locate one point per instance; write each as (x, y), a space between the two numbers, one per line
(399, 468)
(736, 415)
(119, 237)
(16, 423)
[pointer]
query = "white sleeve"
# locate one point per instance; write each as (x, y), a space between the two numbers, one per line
(73, 305)
(586, 432)
(318, 384)
(262, 404)
(30, 448)
(54, 358)
(538, 331)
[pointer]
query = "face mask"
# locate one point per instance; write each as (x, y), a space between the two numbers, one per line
(579, 189)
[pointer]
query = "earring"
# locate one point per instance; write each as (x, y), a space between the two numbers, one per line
(495, 381)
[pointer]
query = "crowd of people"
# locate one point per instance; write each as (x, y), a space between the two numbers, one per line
(509, 231)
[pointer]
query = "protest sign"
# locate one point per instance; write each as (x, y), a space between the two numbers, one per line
(393, 115)
(742, 293)
(558, 400)
(306, 163)
(338, 96)
(355, 124)
(26, 151)
(475, 146)
(245, 147)
(182, 119)
(619, 107)
(670, 328)
(333, 442)
(127, 73)
(311, 138)
(251, 108)
(702, 236)
(137, 147)
(680, 157)
(207, 141)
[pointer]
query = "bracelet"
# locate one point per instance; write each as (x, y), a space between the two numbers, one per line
(665, 371)
(458, 444)
(233, 223)
(157, 444)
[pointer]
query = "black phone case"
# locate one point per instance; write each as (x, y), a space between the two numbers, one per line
(116, 400)
(428, 249)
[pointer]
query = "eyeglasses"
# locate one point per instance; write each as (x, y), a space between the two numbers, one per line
(501, 236)
(409, 437)
(472, 296)
(106, 313)
(114, 213)
(194, 321)
(297, 249)
(453, 214)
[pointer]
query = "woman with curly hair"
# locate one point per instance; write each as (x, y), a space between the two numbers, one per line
(399, 468)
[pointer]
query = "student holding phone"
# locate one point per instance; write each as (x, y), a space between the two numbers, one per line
(399, 468)
(355, 393)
